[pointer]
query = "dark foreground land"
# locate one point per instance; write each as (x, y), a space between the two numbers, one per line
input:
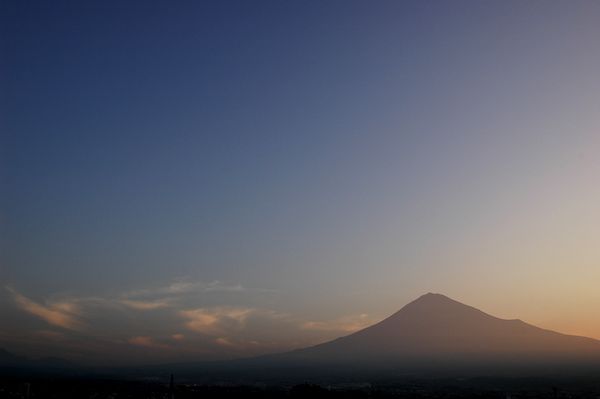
(66, 388)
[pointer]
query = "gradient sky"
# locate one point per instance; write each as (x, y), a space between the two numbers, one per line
(208, 180)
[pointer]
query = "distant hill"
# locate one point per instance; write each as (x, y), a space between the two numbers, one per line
(12, 362)
(8, 359)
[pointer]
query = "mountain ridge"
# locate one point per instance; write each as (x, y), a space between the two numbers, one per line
(432, 336)
(436, 326)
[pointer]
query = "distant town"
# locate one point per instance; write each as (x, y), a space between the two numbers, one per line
(74, 388)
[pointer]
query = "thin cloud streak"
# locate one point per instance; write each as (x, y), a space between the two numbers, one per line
(60, 314)
(180, 325)
(346, 324)
(184, 286)
(147, 342)
(146, 305)
(216, 320)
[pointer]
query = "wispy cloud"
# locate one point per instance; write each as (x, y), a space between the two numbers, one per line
(174, 294)
(246, 330)
(146, 305)
(345, 324)
(178, 337)
(223, 341)
(218, 319)
(182, 322)
(184, 286)
(147, 342)
(63, 314)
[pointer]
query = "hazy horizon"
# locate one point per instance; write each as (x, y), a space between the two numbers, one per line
(430, 330)
(212, 180)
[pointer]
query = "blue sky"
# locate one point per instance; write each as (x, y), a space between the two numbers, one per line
(333, 160)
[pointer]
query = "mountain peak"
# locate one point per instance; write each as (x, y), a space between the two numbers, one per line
(433, 296)
(436, 328)
(432, 301)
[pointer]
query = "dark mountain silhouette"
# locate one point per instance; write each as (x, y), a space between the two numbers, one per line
(435, 326)
(431, 336)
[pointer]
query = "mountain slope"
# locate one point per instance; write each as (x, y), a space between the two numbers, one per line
(435, 326)
(431, 336)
